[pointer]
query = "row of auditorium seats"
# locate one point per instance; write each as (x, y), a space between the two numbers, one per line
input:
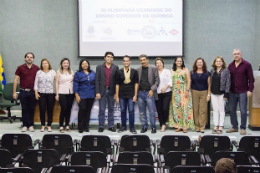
(132, 153)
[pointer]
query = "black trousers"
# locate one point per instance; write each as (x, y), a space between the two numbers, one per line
(85, 106)
(162, 106)
(27, 99)
(66, 101)
(46, 101)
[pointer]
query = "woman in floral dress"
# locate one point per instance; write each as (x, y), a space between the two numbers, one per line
(181, 113)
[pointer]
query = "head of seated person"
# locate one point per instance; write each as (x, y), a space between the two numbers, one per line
(225, 165)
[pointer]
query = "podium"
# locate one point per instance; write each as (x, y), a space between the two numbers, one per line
(56, 112)
(254, 104)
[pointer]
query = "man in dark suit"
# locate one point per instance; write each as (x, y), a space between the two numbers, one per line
(148, 82)
(105, 90)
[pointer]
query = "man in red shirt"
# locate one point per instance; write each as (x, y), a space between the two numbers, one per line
(242, 85)
(26, 73)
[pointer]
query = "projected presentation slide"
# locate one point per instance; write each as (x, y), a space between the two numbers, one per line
(133, 27)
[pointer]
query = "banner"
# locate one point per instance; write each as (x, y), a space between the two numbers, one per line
(95, 111)
(2, 74)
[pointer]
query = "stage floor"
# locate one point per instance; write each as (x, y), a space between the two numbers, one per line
(15, 127)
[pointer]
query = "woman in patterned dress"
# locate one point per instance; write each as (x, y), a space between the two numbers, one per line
(181, 113)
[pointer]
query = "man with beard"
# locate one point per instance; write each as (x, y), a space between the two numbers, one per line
(26, 73)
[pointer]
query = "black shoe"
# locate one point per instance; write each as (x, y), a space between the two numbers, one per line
(112, 129)
(100, 129)
(133, 131)
(153, 130)
(122, 129)
(80, 131)
(86, 130)
(143, 130)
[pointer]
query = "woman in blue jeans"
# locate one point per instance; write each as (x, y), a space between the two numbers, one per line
(84, 89)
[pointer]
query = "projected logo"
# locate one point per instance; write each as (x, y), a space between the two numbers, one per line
(91, 29)
(91, 32)
(107, 31)
(133, 32)
(148, 32)
(162, 32)
(173, 32)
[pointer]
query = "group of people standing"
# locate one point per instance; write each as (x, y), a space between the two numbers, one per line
(179, 96)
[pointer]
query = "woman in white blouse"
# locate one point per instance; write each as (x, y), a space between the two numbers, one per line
(64, 92)
(164, 93)
(45, 92)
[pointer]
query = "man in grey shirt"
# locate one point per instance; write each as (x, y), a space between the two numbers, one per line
(147, 94)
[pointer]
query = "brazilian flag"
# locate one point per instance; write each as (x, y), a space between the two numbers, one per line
(2, 73)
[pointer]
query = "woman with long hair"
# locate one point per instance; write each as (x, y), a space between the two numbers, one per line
(200, 87)
(220, 85)
(181, 114)
(84, 89)
(64, 92)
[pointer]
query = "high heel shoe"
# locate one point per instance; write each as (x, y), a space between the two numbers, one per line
(178, 130)
(163, 128)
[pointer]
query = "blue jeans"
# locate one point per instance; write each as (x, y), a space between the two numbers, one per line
(240, 98)
(143, 101)
(27, 99)
(106, 99)
(124, 103)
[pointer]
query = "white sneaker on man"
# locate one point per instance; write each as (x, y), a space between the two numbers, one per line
(24, 129)
(31, 129)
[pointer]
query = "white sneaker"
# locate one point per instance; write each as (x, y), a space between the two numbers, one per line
(24, 129)
(31, 129)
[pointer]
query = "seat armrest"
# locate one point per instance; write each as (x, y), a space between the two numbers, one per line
(158, 143)
(208, 159)
(37, 141)
(109, 170)
(99, 170)
(108, 158)
(196, 143)
(17, 158)
(235, 144)
(113, 141)
(166, 171)
(202, 159)
(63, 158)
(44, 170)
(116, 158)
(161, 158)
(255, 161)
(154, 158)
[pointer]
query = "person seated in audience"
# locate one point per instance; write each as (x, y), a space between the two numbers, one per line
(225, 165)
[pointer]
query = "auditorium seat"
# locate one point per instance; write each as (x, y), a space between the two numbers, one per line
(173, 143)
(16, 144)
(248, 169)
(137, 157)
(249, 144)
(210, 144)
(96, 159)
(136, 143)
(5, 159)
(175, 158)
(9, 101)
(41, 159)
(71, 169)
(16, 170)
(130, 168)
(239, 157)
(62, 143)
(192, 169)
(100, 143)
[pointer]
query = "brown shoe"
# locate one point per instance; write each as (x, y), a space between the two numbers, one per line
(242, 132)
(185, 130)
(231, 130)
(177, 130)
